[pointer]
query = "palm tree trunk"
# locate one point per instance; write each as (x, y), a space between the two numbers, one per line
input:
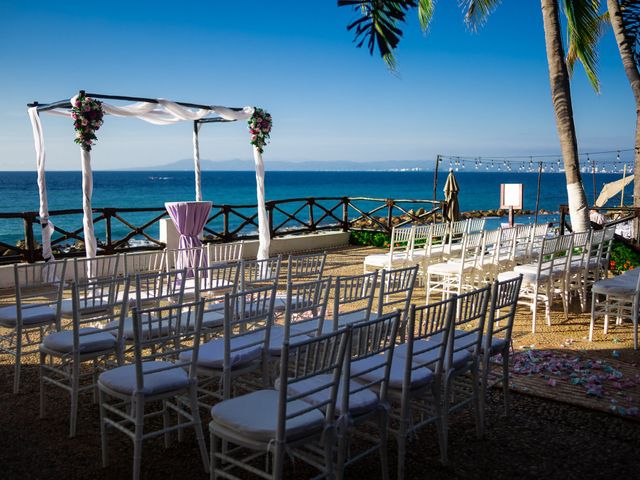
(561, 96)
(631, 69)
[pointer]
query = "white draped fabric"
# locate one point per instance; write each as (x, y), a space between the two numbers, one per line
(196, 161)
(45, 223)
(164, 112)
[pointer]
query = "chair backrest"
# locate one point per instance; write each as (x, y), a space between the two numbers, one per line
(35, 280)
(248, 314)
(401, 242)
(260, 272)
(306, 308)
(490, 247)
(471, 249)
(370, 348)
(428, 332)
(101, 303)
(421, 236)
(158, 288)
(456, 232)
(180, 258)
(538, 233)
(211, 283)
(224, 252)
(104, 266)
(307, 368)
(605, 250)
(522, 243)
(396, 290)
(580, 248)
(144, 262)
(563, 253)
(162, 334)
(306, 267)
(354, 294)
(468, 326)
(475, 225)
(502, 311)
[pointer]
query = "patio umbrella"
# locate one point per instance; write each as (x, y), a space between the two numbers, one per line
(451, 190)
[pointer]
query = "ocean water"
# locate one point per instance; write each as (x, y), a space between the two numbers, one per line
(478, 190)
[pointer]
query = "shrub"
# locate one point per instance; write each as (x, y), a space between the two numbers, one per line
(623, 258)
(369, 239)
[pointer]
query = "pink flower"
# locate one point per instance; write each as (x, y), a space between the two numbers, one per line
(85, 122)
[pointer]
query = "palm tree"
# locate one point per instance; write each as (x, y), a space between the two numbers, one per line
(625, 20)
(378, 25)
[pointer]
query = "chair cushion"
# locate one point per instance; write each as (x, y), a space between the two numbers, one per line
(276, 338)
(497, 345)
(382, 259)
(255, 416)
(622, 286)
(123, 379)
(359, 402)
(449, 268)
(419, 377)
(90, 305)
(460, 358)
(90, 340)
(32, 314)
(527, 278)
(211, 354)
(155, 327)
(213, 318)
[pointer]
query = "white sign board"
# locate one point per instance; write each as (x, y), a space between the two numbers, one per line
(511, 195)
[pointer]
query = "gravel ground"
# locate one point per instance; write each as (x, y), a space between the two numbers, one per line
(541, 439)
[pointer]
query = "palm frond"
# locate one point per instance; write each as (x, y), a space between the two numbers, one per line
(631, 22)
(378, 25)
(584, 28)
(425, 12)
(477, 11)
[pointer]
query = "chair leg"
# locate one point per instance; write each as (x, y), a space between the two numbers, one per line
(476, 402)
(166, 420)
(343, 444)
(213, 466)
(139, 431)
(384, 451)
(278, 461)
(505, 380)
(197, 424)
(103, 429)
(75, 387)
(16, 375)
(43, 358)
(593, 315)
(444, 433)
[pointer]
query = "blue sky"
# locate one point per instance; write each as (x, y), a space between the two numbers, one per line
(456, 92)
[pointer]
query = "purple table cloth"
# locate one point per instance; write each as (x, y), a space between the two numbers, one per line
(189, 219)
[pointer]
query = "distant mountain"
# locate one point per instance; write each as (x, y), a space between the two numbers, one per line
(237, 164)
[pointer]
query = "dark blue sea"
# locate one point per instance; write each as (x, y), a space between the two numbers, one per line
(478, 190)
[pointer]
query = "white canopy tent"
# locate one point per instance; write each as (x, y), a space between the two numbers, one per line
(155, 111)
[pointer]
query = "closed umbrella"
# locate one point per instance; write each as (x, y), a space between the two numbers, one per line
(451, 190)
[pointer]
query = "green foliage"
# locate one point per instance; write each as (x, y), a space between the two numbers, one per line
(623, 258)
(369, 239)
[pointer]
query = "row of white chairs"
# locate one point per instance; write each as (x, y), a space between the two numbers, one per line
(334, 381)
(413, 244)
(566, 266)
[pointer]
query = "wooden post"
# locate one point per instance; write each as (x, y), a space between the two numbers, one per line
(435, 178)
(538, 193)
(563, 215)
(29, 242)
(510, 216)
(390, 204)
(312, 225)
(269, 206)
(345, 214)
(108, 212)
(225, 223)
(624, 175)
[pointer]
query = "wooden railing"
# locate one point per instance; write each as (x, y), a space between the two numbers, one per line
(226, 223)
